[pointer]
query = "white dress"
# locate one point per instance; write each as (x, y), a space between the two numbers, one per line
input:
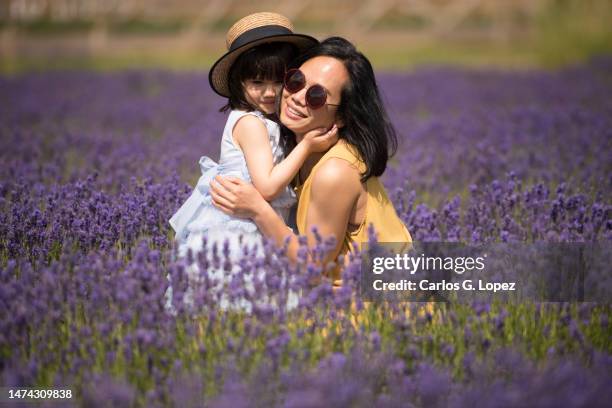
(198, 217)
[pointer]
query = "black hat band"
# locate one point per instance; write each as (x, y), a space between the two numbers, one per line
(259, 33)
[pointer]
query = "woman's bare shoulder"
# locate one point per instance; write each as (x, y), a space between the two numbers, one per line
(337, 176)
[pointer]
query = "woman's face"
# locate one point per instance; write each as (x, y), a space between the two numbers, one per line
(294, 112)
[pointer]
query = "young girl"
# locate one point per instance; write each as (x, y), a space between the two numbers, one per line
(250, 76)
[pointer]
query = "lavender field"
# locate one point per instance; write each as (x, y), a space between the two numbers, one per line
(94, 164)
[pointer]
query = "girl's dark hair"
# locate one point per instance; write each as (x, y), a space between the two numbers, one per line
(366, 123)
(263, 62)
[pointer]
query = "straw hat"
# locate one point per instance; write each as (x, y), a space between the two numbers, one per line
(252, 30)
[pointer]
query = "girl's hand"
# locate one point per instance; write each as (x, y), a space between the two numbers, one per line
(320, 139)
(236, 197)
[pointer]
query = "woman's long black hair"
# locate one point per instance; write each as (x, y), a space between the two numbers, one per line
(366, 123)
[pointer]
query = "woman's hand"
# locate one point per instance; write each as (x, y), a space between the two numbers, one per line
(236, 197)
(320, 139)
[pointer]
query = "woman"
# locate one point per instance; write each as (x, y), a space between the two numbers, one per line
(339, 192)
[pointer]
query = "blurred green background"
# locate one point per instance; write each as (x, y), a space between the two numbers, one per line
(395, 35)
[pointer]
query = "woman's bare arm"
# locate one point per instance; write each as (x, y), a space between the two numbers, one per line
(334, 192)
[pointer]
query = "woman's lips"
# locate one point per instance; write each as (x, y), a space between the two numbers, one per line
(294, 113)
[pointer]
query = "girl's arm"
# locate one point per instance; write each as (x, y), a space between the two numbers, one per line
(252, 136)
(334, 192)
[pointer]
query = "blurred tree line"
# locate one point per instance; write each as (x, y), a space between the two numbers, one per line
(557, 31)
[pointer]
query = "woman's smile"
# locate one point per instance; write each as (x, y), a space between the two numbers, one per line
(294, 113)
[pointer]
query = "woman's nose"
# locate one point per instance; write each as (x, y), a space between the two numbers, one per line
(299, 97)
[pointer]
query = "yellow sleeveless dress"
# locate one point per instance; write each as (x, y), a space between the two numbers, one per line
(379, 209)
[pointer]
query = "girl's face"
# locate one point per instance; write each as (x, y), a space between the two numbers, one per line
(331, 74)
(261, 93)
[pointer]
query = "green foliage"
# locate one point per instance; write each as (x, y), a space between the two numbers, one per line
(140, 26)
(46, 26)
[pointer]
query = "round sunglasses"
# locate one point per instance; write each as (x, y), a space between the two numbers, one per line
(316, 95)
